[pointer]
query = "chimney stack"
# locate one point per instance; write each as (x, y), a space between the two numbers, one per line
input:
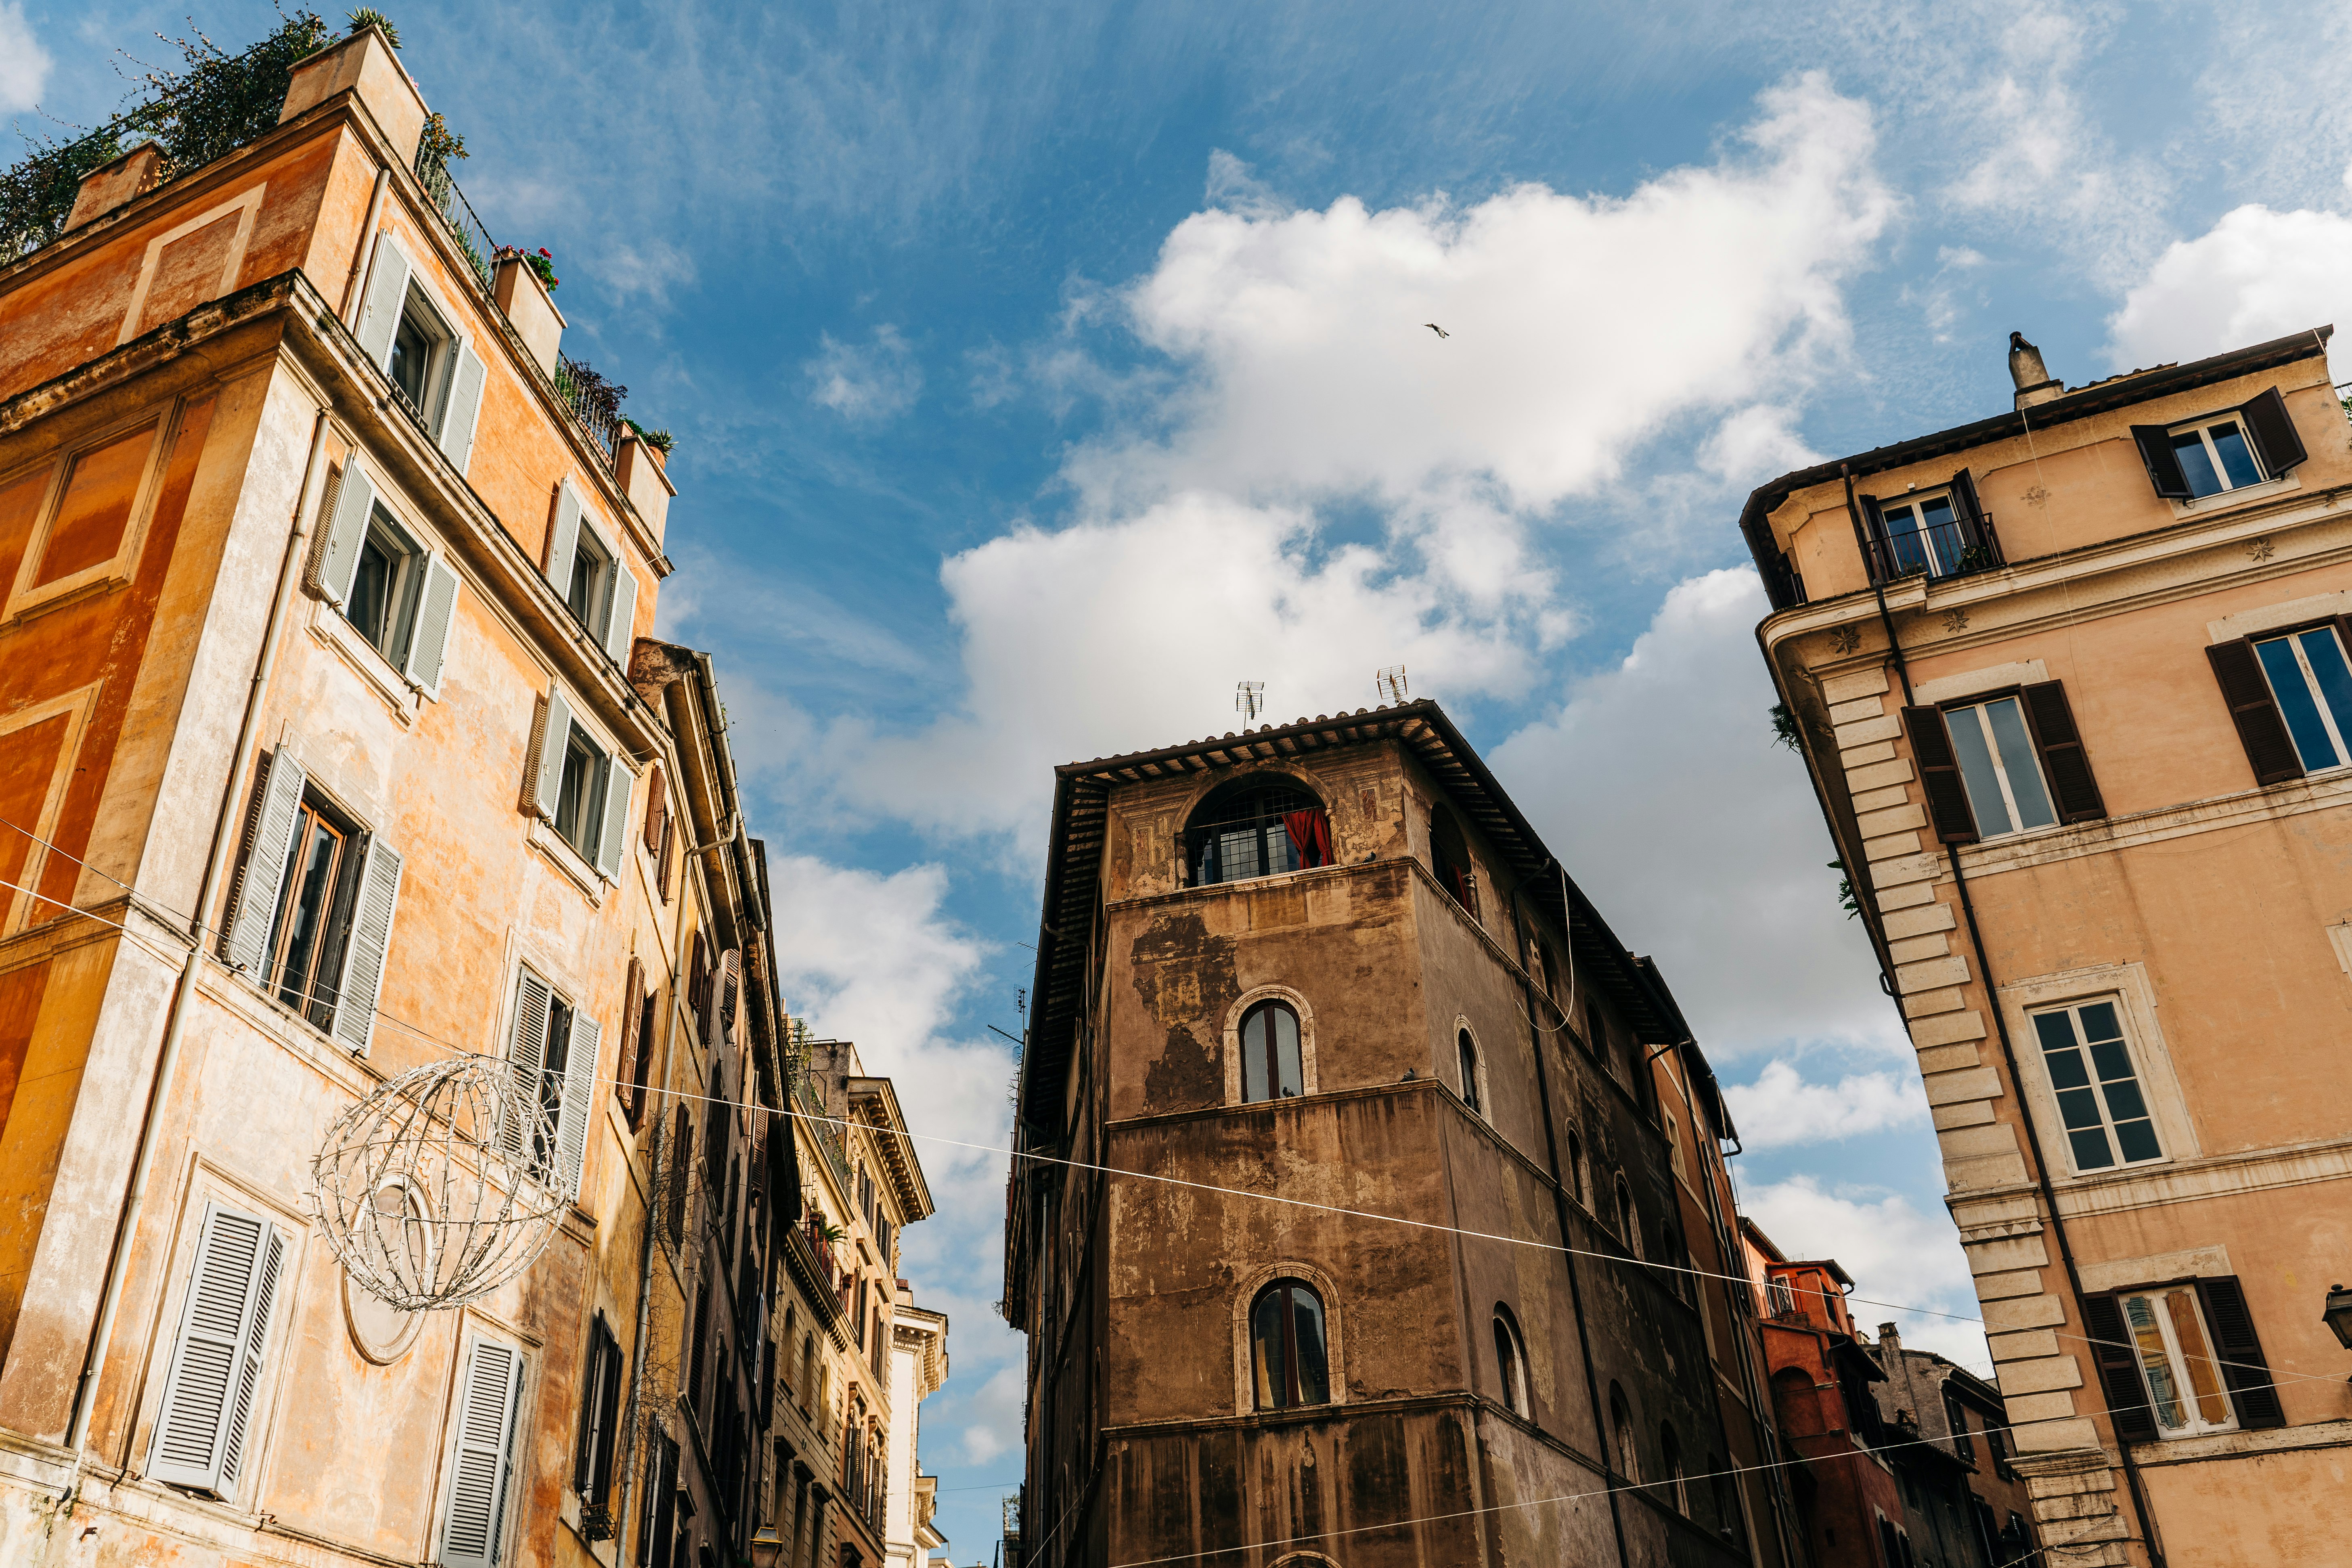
(2034, 381)
(1887, 1337)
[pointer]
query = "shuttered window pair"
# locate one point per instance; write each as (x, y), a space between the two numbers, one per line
(481, 1455)
(585, 568)
(2290, 695)
(579, 787)
(203, 1429)
(400, 595)
(2003, 763)
(419, 346)
(552, 1057)
(312, 912)
(2181, 1361)
(2225, 451)
(1943, 532)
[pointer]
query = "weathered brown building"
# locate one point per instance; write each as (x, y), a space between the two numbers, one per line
(1296, 979)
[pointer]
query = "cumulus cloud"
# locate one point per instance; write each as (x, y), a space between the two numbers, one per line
(23, 64)
(1658, 783)
(865, 383)
(1781, 1108)
(1896, 1253)
(993, 1415)
(2254, 276)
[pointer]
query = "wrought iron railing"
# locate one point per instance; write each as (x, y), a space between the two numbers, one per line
(465, 225)
(1940, 549)
(593, 401)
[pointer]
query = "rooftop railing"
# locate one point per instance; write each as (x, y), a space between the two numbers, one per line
(1940, 549)
(465, 225)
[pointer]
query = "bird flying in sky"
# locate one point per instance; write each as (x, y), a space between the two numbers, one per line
(1434, 327)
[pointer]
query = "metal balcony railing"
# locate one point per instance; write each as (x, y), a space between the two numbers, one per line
(1938, 551)
(465, 225)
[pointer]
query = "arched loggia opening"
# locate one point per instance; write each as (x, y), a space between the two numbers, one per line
(1256, 826)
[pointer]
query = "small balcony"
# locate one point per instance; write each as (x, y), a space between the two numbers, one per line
(1904, 544)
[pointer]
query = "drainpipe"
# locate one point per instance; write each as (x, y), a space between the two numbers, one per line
(364, 250)
(175, 1026)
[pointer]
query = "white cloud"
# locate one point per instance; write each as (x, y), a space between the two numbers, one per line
(865, 383)
(1659, 784)
(992, 1416)
(2254, 276)
(23, 64)
(1754, 444)
(1781, 1108)
(1895, 1253)
(649, 270)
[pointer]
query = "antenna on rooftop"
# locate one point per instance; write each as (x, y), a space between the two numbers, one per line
(1249, 699)
(1390, 679)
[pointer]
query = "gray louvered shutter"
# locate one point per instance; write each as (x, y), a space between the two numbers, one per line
(480, 1456)
(364, 952)
(2271, 427)
(527, 1065)
(2162, 462)
(386, 297)
(563, 538)
(209, 1355)
(719, 1022)
(248, 1376)
(579, 1101)
(463, 406)
(621, 614)
(338, 554)
(428, 646)
(277, 807)
(615, 835)
(554, 739)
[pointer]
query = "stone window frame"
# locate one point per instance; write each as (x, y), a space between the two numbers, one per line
(1309, 1082)
(25, 600)
(2127, 984)
(1245, 1293)
(1482, 1109)
(1180, 813)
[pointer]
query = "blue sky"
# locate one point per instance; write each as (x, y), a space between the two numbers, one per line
(1039, 371)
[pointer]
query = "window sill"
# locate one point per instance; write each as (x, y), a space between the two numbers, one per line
(566, 859)
(332, 631)
(2221, 500)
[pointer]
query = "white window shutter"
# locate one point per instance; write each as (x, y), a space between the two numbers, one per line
(620, 614)
(202, 1390)
(338, 554)
(277, 804)
(428, 644)
(563, 538)
(527, 1064)
(364, 952)
(554, 739)
(248, 1376)
(614, 837)
(480, 1456)
(579, 1101)
(463, 407)
(387, 296)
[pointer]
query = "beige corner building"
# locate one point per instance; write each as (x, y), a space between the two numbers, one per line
(2073, 685)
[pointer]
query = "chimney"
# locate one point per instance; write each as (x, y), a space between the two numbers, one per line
(1888, 1338)
(2034, 381)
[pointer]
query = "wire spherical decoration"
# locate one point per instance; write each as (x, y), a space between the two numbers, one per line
(440, 1186)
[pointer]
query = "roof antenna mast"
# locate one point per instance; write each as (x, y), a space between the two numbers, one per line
(1249, 699)
(1390, 681)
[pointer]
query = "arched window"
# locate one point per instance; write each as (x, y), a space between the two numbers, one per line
(1576, 1186)
(1621, 1423)
(1450, 859)
(1468, 1049)
(1511, 1359)
(1289, 1361)
(1629, 1227)
(1270, 1066)
(1670, 1453)
(1255, 827)
(1670, 1254)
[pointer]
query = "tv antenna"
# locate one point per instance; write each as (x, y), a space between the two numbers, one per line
(1390, 681)
(1249, 699)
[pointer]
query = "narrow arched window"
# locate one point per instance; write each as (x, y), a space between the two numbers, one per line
(1670, 1254)
(1450, 860)
(1270, 1065)
(1257, 827)
(1621, 1423)
(1670, 1453)
(1511, 1361)
(1629, 1229)
(1290, 1360)
(1468, 1049)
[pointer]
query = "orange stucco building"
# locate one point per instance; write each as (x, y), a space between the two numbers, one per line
(2071, 682)
(331, 745)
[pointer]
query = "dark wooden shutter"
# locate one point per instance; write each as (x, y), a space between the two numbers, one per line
(2163, 463)
(2261, 728)
(2251, 1386)
(1881, 564)
(2127, 1393)
(2272, 431)
(1970, 514)
(1939, 774)
(656, 802)
(2071, 788)
(624, 1077)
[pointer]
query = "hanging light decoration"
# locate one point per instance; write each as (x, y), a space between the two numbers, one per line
(442, 1185)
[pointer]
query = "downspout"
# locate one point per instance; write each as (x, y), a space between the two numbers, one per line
(364, 250)
(1560, 1208)
(175, 1024)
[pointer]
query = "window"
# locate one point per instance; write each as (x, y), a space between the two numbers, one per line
(582, 789)
(1450, 860)
(2185, 1389)
(2106, 1118)
(1620, 1426)
(1956, 1417)
(2003, 764)
(1289, 1359)
(1941, 532)
(2224, 452)
(1257, 827)
(2214, 457)
(1467, 1051)
(1998, 767)
(1270, 1058)
(1670, 1253)
(1576, 1186)
(592, 574)
(400, 597)
(600, 1409)
(303, 939)
(1783, 1296)
(1629, 1227)
(201, 1431)
(1511, 1361)
(383, 587)
(584, 568)
(1670, 1454)
(1997, 1450)
(1726, 1499)
(481, 1458)
(2313, 688)
(430, 364)
(420, 360)
(552, 1057)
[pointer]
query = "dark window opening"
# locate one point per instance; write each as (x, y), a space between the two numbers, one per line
(1467, 1051)
(1288, 1354)
(412, 345)
(1512, 1361)
(1250, 829)
(579, 804)
(385, 585)
(1271, 1068)
(1450, 859)
(314, 922)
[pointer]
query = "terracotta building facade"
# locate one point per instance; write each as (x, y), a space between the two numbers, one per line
(2072, 682)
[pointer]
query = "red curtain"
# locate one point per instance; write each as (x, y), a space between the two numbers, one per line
(1310, 835)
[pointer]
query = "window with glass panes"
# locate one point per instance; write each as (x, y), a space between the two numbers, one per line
(1999, 767)
(1241, 833)
(2106, 1116)
(2308, 675)
(1289, 1359)
(2187, 1393)
(2215, 457)
(1923, 535)
(305, 941)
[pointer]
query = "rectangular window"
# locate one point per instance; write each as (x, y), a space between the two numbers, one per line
(2215, 457)
(307, 939)
(577, 817)
(2106, 1117)
(1923, 535)
(420, 360)
(1999, 768)
(386, 587)
(600, 1392)
(591, 573)
(2308, 676)
(2186, 1394)
(553, 1059)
